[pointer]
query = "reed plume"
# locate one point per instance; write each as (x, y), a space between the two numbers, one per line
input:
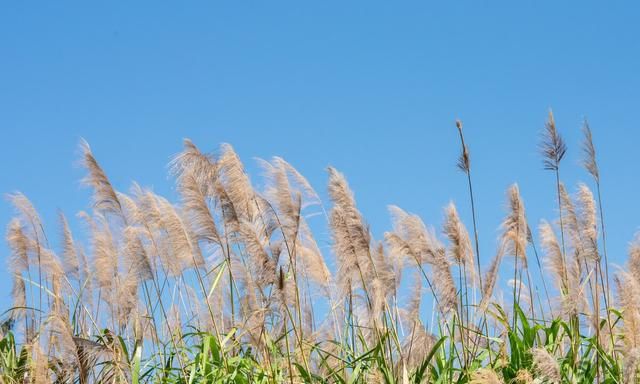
(135, 254)
(485, 376)
(514, 227)
(19, 245)
(105, 198)
(19, 295)
(588, 223)
(28, 214)
(196, 209)
(490, 278)
(460, 250)
(630, 363)
(629, 298)
(546, 366)
(182, 254)
(104, 250)
(589, 153)
(311, 258)
(263, 264)
(410, 238)
(39, 368)
(69, 252)
(634, 258)
(552, 145)
(418, 345)
(570, 221)
(236, 183)
(351, 236)
(200, 166)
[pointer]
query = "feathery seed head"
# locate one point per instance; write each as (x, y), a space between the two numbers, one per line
(589, 153)
(545, 365)
(552, 145)
(105, 199)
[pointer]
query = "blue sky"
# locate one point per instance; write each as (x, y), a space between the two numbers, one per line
(372, 88)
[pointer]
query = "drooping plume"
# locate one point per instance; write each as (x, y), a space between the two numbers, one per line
(69, 252)
(411, 239)
(132, 213)
(105, 198)
(235, 183)
(197, 212)
(136, 256)
(200, 166)
(180, 247)
(460, 249)
(309, 193)
(589, 153)
(19, 245)
(351, 238)
(256, 246)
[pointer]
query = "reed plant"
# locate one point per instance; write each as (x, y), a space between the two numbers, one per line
(229, 285)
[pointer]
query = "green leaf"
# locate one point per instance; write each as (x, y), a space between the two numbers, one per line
(135, 370)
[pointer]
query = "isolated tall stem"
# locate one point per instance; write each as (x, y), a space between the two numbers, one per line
(464, 163)
(465, 166)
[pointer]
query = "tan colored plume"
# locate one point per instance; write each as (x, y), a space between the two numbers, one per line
(546, 366)
(460, 249)
(105, 199)
(69, 252)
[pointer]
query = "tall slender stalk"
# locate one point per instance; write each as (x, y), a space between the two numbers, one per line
(553, 150)
(589, 162)
(464, 163)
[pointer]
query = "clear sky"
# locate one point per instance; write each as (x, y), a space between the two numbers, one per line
(370, 87)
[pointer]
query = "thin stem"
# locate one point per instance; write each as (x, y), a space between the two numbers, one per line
(605, 279)
(544, 284)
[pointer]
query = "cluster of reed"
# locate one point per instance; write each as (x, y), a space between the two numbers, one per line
(230, 285)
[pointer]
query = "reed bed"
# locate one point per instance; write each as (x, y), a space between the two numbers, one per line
(229, 285)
